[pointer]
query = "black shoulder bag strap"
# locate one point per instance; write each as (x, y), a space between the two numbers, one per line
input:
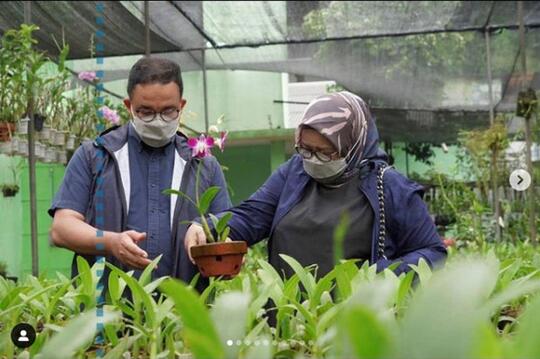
(382, 219)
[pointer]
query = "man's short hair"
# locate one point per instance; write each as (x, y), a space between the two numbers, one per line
(150, 70)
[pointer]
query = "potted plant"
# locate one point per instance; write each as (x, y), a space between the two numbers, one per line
(11, 189)
(220, 256)
(12, 67)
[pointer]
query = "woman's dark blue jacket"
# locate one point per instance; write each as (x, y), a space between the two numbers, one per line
(410, 231)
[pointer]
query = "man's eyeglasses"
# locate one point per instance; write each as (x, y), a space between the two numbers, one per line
(147, 115)
(307, 154)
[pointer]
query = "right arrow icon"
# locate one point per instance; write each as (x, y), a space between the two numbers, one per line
(520, 180)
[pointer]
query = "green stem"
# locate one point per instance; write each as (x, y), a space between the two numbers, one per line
(204, 222)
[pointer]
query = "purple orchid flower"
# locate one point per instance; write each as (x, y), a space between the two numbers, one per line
(110, 115)
(220, 142)
(201, 146)
(87, 76)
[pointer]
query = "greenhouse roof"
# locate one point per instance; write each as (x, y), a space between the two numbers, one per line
(404, 57)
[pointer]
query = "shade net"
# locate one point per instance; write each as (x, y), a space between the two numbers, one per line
(421, 65)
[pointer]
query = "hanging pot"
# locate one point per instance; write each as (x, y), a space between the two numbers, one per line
(14, 145)
(52, 136)
(10, 190)
(70, 144)
(6, 148)
(23, 148)
(50, 154)
(6, 128)
(22, 126)
(38, 122)
(220, 258)
(39, 150)
(58, 155)
(45, 133)
(62, 157)
(60, 138)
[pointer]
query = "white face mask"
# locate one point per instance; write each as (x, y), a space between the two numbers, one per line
(324, 172)
(156, 133)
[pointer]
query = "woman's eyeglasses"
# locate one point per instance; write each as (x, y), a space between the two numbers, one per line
(167, 115)
(322, 156)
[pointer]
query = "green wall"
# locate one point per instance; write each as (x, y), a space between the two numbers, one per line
(15, 239)
(445, 163)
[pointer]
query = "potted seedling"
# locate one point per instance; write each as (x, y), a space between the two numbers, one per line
(220, 256)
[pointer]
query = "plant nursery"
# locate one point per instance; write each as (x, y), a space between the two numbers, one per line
(270, 179)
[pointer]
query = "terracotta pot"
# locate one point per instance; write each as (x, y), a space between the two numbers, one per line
(219, 259)
(5, 129)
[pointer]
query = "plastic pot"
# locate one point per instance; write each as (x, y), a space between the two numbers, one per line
(38, 122)
(22, 126)
(39, 150)
(60, 138)
(70, 144)
(45, 133)
(219, 259)
(50, 154)
(23, 148)
(52, 136)
(61, 156)
(6, 148)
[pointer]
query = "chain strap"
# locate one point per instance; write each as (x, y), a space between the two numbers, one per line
(382, 219)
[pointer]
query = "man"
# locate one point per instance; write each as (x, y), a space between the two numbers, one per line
(115, 183)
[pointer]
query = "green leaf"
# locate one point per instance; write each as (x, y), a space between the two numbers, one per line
(207, 198)
(140, 296)
(404, 287)
(75, 336)
(526, 340)
(123, 346)
(145, 277)
(225, 234)
(423, 269)
(444, 315)
(487, 344)
(229, 313)
(223, 221)
(339, 236)
(199, 331)
(85, 276)
(307, 279)
(366, 335)
(214, 220)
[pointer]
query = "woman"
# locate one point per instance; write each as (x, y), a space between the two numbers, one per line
(339, 168)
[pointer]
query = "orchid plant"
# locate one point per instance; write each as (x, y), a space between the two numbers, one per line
(201, 147)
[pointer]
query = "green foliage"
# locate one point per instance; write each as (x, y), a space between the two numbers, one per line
(477, 306)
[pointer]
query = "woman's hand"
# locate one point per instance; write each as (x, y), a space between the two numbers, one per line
(194, 237)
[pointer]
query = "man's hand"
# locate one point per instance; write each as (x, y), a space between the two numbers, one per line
(124, 248)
